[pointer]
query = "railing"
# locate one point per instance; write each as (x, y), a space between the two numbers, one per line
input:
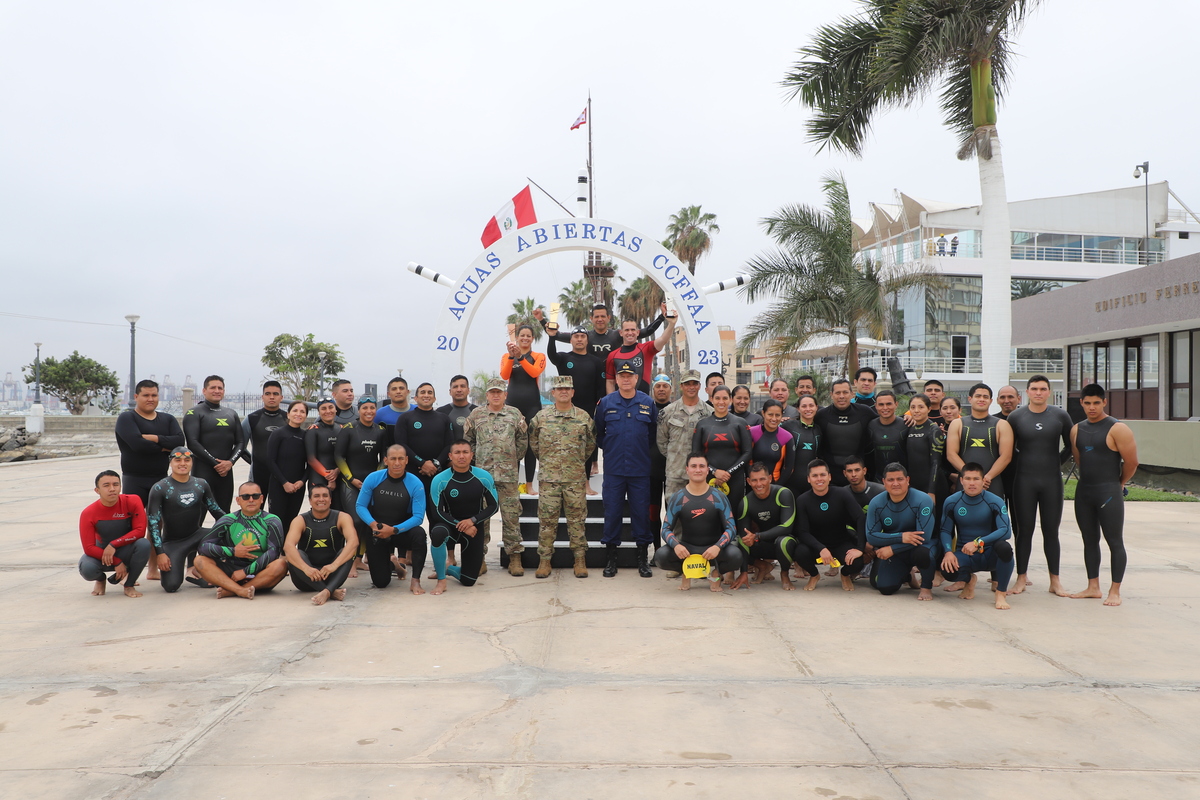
(1090, 255)
(909, 252)
(1036, 366)
(915, 363)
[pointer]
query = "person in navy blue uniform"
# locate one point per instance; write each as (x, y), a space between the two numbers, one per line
(626, 427)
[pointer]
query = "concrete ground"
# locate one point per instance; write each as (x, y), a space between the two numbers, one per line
(590, 688)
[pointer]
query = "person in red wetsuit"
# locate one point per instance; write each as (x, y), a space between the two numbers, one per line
(113, 533)
(641, 356)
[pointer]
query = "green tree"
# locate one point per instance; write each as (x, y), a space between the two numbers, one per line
(1023, 288)
(479, 386)
(76, 380)
(689, 235)
(297, 364)
(820, 283)
(575, 303)
(523, 315)
(893, 54)
(642, 301)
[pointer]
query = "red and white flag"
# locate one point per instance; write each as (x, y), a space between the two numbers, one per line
(579, 123)
(517, 213)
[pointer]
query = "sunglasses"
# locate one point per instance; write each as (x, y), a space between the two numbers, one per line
(250, 496)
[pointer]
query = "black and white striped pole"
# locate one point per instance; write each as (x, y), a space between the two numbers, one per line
(728, 283)
(429, 274)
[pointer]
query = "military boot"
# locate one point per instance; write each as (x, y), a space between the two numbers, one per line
(514, 565)
(610, 569)
(644, 561)
(543, 570)
(580, 565)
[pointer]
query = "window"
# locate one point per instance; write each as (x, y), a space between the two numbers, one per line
(1181, 375)
(1185, 234)
(1131, 362)
(1089, 365)
(1116, 366)
(1075, 361)
(1150, 362)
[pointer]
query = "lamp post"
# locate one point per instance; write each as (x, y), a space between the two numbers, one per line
(37, 374)
(1140, 170)
(132, 320)
(321, 374)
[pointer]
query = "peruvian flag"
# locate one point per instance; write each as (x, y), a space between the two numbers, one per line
(579, 123)
(517, 213)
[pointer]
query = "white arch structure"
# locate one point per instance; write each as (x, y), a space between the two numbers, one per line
(465, 294)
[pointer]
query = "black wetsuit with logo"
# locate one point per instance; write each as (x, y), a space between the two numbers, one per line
(457, 416)
(258, 427)
(924, 446)
(601, 344)
(1099, 497)
(284, 460)
(770, 519)
(174, 515)
(1041, 443)
(886, 445)
(214, 433)
(843, 434)
(320, 444)
(979, 442)
(806, 443)
(320, 544)
(359, 451)
(725, 442)
(587, 375)
(835, 521)
(143, 462)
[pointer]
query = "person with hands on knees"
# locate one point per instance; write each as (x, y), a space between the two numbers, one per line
(979, 521)
(112, 531)
(706, 527)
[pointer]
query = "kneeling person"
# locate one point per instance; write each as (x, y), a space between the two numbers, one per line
(244, 551)
(178, 504)
(464, 501)
(705, 522)
(112, 531)
(830, 525)
(768, 513)
(392, 504)
(981, 522)
(900, 526)
(320, 547)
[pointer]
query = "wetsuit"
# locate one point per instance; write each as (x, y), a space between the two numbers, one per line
(726, 442)
(359, 451)
(284, 460)
(320, 446)
(886, 444)
(704, 520)
(843, 434)
(750, 418)
(399, 502)
(143, 462)
(214, 434)
(122, 525)
(257, 428)
(864, 400)
(869, 492)
(834, 521)
(924, 446)
(980, 518)
(601, 344)
(806, 445)
(174, 515)
(1099, 497)
(1041, 443)
(771, 519)
(459, 496)
(979, 441)
(262, 532)
(427, 436)
(320, 544)
(457, 416)
(387, 416)
(523, 394)
(775, 451)
(640, 356)
(886, 521)
(344, 416)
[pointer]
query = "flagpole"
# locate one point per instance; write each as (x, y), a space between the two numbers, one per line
(591, 175)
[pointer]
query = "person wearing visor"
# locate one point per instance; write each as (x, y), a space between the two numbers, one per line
(174, 515)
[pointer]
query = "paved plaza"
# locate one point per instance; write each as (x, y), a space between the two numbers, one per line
(567, 688)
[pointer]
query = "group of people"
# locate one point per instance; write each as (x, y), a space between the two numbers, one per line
(853, 488)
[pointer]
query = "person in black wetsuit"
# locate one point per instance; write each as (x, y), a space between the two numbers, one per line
(981, 438)
(602, 339)
(829, 526)
(885, 435)
(174, 514)
(145, 439)
(924, 446)
(705, 522)
(343, 397)
(320, 547)
(767, 515)
(725, 442)
(465, 499)
(215, 437)
(522, 367)
(843, 429)
(360, 451)
(392, 503)
(779, 393)
(772, 445)
(806, 442)
(741, 406)
(460, 405)
(426, 435)
(285, 460)
(1042, 443)
(1106, 454)
(257, 428)
(320, 447)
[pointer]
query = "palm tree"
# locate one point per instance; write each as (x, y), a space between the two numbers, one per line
(894, 53)
(1030, 288)
(523, 315)
(575, 302)
(820, 283)
(689, 235)
(479, 382)
(641, 301)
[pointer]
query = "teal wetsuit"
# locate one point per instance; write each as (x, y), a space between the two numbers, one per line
(984, 519)
(886, 522)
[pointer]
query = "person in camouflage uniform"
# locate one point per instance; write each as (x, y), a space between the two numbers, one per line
(676, 423)
(499, 435)
(562, 438)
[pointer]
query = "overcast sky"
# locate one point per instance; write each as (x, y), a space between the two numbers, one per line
(233, 170)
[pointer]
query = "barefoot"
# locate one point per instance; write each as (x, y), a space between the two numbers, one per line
(531, 492)
(1020, 585)
(354, 570)
(968, 592)
(914, 582)
(785, 582)
(100, 588)
(1002, 603)
(1113, 599)
(338, 594)
(153, 575)
(399, 566)
(247, 592)
(993, 584)
(716, 586)
(957, 586)
(812, 583)
(450, 560)
(685, 584)
(938, 580)
(439, 587)
(321, 597)
(132, 592)
(223, 593)
(831, 572)
(1056, 586)
(925, 594)
(414, 586)
(847, 583)
(727, 579)
(591, 492)
(1088, 592)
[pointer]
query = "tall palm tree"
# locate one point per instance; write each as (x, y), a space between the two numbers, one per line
(575, 302)
(523, 315)
(689, 235)
(895, 52)
(641, 301)
(820, 283)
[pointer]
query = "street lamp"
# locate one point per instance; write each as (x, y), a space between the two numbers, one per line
(1139, 171)
(321, 375)
(37, 374)
(132, 320)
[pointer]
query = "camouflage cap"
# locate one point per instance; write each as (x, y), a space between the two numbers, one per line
(562, 382)
(690, 375)
(497, 385)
